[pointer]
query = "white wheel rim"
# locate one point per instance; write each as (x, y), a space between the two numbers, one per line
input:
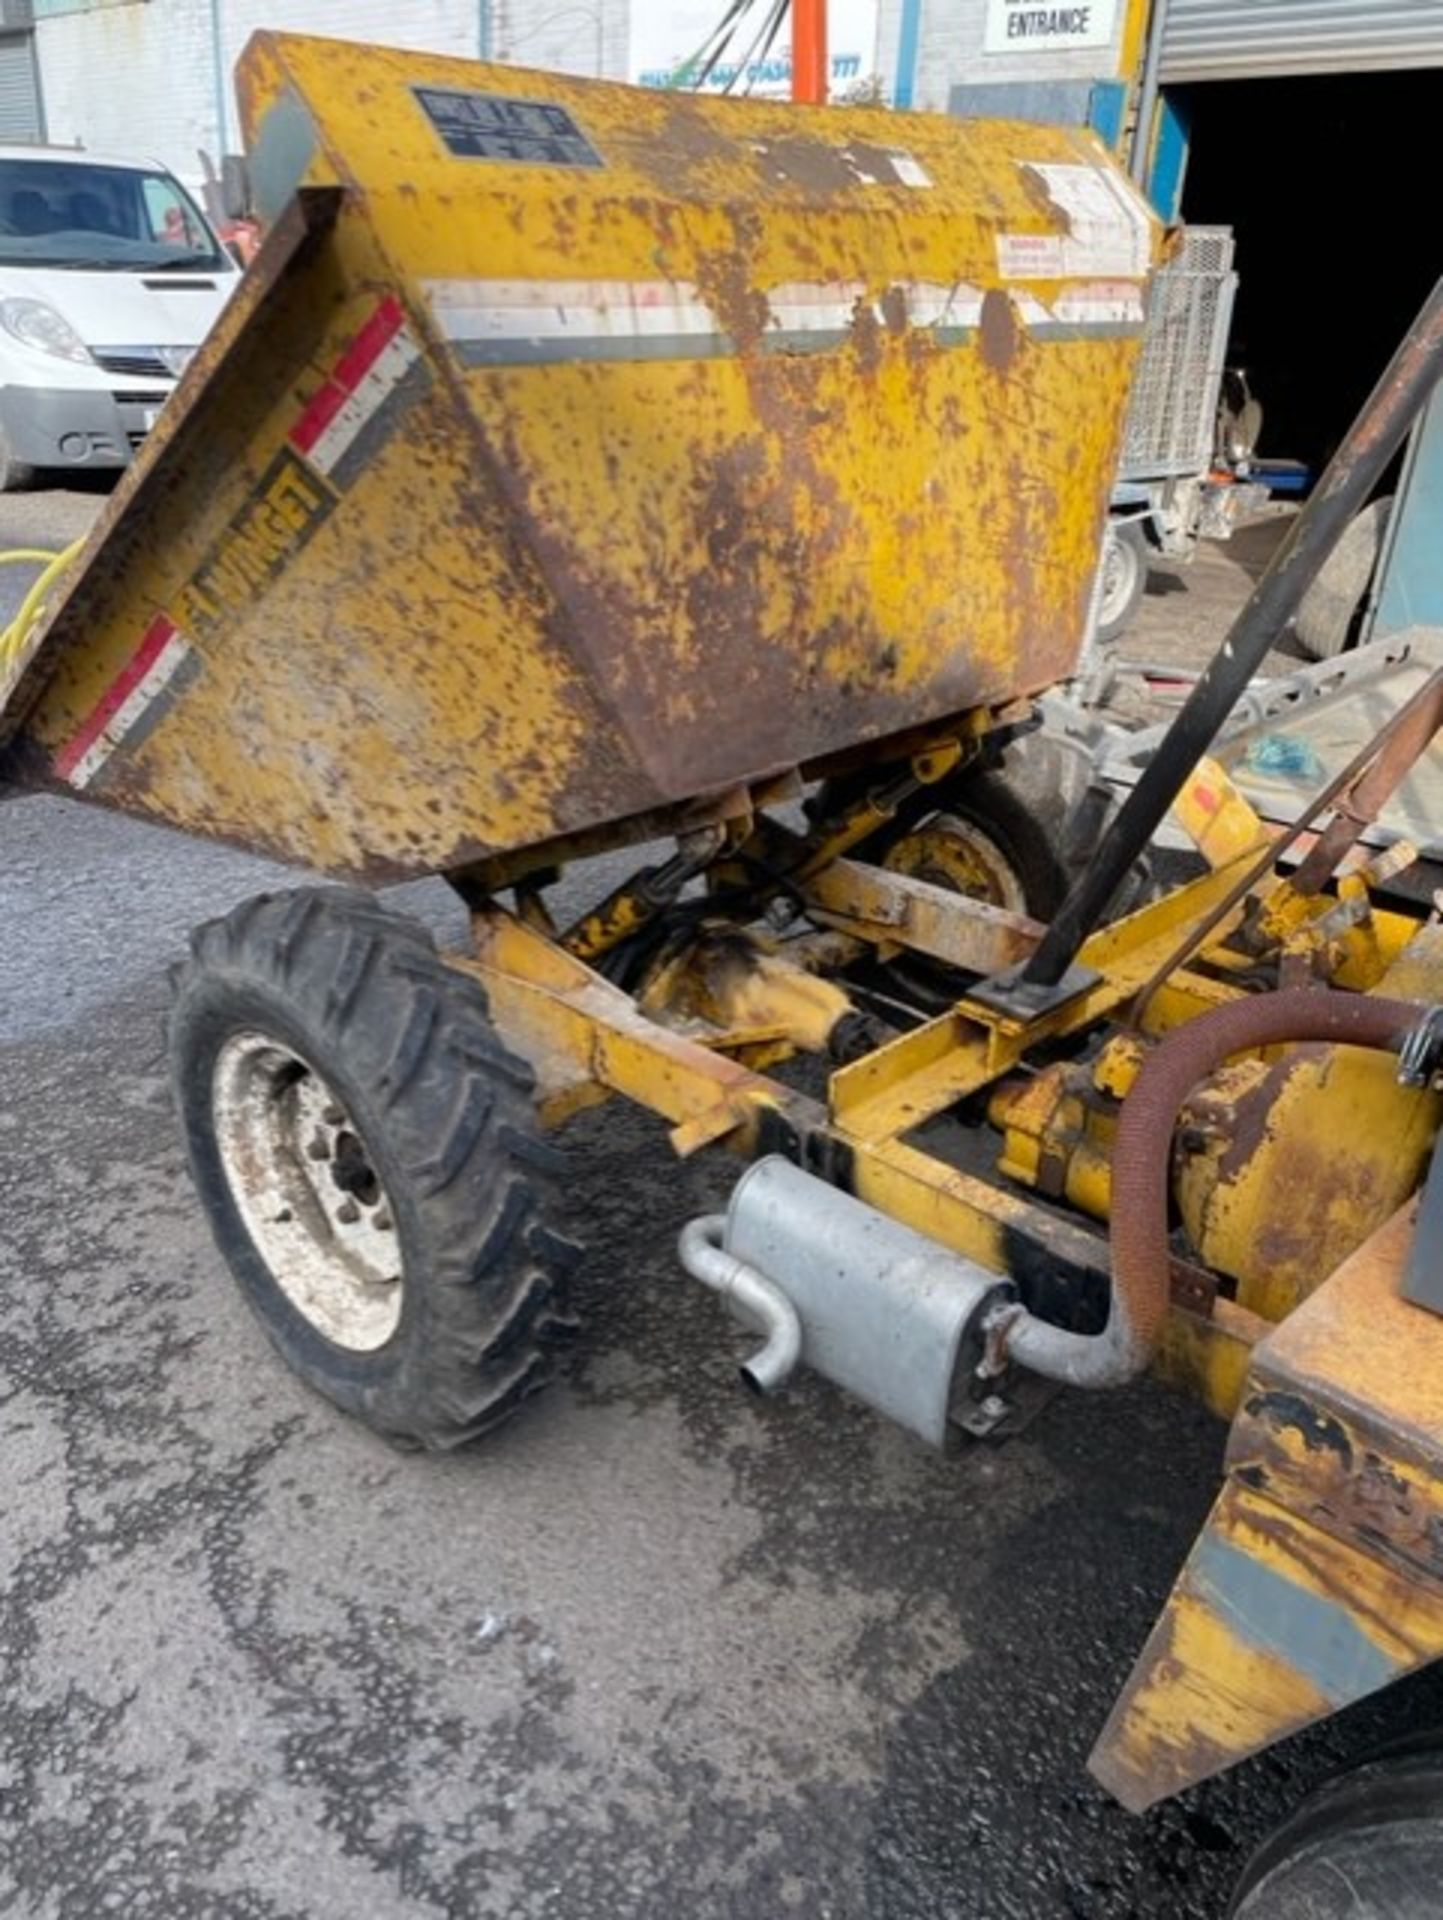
(311, 1201)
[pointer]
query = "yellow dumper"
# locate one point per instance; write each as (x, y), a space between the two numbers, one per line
(582, 468)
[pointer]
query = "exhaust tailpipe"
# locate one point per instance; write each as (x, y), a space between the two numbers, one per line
(880, 1310)
(753, 1298)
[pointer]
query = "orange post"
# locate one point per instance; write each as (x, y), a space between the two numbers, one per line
(809, 52)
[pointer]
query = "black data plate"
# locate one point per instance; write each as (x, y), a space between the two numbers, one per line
(496, 126)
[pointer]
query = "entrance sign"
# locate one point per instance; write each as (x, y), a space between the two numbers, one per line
(1025, 26)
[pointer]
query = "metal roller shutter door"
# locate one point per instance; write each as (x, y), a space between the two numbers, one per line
(1255, 39)
(19, 90)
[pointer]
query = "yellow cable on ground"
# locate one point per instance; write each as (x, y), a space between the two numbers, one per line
(52, 565)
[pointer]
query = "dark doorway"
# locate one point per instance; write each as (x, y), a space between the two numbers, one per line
(1331, 185)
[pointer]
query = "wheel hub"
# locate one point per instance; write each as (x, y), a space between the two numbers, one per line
(305, 1186)
(953, 853)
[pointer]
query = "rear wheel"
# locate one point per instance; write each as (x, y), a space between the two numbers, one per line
(1366, 1846)
(366, 1151)
(987, 845)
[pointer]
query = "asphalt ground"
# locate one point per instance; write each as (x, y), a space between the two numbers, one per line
(654, 1650)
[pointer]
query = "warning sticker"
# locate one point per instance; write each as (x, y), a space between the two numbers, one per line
(495, 126)
(1106, 232)
(1030, 256)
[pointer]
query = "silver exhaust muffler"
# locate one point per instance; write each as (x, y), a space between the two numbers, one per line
(885, 1312)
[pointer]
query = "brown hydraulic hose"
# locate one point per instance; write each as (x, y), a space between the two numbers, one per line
(1141, 1156)
(1141, 1167)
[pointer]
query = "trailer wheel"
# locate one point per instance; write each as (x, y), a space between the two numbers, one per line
(1328, 617)
(366, 1150)
(1124, 577)
(1365, 1846)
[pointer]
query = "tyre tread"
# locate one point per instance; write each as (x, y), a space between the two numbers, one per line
(373, 989)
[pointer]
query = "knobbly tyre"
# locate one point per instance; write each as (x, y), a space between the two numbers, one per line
(724, 458)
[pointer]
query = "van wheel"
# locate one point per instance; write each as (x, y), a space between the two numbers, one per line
(366, 1150)
(15, 475)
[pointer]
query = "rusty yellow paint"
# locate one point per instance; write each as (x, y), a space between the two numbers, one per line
(1059, 1124)
(1134, 38)
(554, 596)
(898, 909)
(1221, 822)
(1319, 1576)
(586, 1038)
(928, 1070)
(1284, 1163)
(1273, 1624)
(1207, 1355)
(1293, 1162)
(1057, 1133)
(654, 584)
(1326, 1535)
(1344, 1417)
(734, 990)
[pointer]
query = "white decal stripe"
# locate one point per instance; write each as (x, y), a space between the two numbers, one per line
(370, 393)
(537, 310)
(168, 662)
(543, 318)
(1083, 308)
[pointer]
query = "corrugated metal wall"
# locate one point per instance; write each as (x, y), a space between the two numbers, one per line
(20, 116)
(1248, 39)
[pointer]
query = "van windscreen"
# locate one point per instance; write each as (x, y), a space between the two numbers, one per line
(66, 213)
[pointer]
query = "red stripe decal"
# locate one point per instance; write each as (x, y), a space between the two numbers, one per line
(320, 411)
(352, 367)
(382, 327)
(157, 636)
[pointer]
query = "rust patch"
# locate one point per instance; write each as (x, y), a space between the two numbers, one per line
(691, 146)
(894, 310)
(1248, 1118)
(1035, 188)
(809, 164)
(725, 283)
(877, 163)
(1318, 1431)
(1191, 1287)
(866, 337)
(998, 330)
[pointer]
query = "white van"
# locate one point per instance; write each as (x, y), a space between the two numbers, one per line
(110, 278)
